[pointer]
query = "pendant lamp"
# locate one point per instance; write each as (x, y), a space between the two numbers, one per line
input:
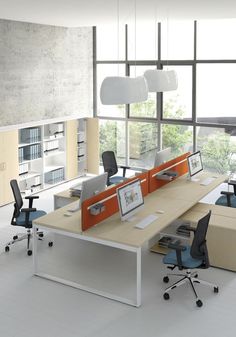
(161, 80)
(123, 90)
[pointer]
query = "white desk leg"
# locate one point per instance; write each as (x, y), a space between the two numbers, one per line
(35, 243)
(139, 276)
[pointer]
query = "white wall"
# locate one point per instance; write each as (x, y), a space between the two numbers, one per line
(45, 72)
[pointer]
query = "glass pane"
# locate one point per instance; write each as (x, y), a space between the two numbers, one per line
(177, 104)
(177, 40)
(215, 39)
(108, 47)
(178, 137)
(147, 108)
(112, 138)
(216, 93)
(142, 144)
(104, 70)
(146, 45)
(218, 147)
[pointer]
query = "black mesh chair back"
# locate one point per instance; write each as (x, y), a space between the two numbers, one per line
(18, 199)
(199, 247)
(109, 163)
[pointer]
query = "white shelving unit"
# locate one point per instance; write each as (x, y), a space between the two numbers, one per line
(82, 146)
(42, 156)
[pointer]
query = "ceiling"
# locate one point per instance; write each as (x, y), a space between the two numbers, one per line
(74, 13)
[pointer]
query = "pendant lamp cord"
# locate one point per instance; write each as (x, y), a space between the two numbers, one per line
(135, 37)
(118, 36)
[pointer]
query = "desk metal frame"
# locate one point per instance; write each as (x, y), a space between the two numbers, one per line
(137, 250)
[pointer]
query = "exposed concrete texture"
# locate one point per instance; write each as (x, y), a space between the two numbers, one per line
(45, 72)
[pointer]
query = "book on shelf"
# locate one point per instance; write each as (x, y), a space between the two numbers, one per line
(166, 240)
(183, 230)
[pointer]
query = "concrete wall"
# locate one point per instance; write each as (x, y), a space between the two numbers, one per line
(45, 72)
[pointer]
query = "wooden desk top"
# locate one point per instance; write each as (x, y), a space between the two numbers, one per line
(185, 189)
(174, 199)
(221, 216)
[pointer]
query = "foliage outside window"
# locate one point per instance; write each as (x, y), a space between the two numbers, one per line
(112, 138)
(218, 150)
(178, 137)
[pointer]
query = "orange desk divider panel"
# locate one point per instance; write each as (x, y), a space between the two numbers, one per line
(109, 199)
(178, 165)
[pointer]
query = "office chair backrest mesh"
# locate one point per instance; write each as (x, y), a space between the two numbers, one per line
(17, 196)
(199, 247)
(109, 163)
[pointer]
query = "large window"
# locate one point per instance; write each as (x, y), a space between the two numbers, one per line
(112, 138)
(215, 39)
(216, 93)
(147, 108)
(178, 137)
(200, 114)
(178, 103)
(218, 147)
(142, 144)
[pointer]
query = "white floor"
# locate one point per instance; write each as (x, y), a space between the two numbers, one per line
(35, 307)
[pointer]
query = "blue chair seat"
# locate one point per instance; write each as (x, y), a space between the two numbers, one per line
(187, 260)
(222, 201)
(116, 179)
(20, 221)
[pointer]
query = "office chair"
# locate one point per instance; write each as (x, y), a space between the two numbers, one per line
(188, 258)
(110, 166)
(24, 217)
(227, 198)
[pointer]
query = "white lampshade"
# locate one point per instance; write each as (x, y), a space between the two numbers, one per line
(123, 90)
(161, 80)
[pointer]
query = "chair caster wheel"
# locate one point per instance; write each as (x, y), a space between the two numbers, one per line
(216, 289)
(50, 244)
(7, 249)
(15, 237)
(165, 279)
(166, 296)
(29, 252)
(199, 303)
(41, 235)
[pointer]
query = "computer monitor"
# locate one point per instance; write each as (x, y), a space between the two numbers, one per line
(194, 163)
(130, 199)
(93, 186)
(162, 156)
(89, 188)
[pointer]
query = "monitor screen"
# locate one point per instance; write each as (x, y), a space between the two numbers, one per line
(93, 186)
(194, 163)
(162, 156)
(130, 199)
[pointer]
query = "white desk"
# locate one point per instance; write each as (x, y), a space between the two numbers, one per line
(174, 199)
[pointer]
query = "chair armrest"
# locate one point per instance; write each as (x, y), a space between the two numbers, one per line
(176, 246)
(124, 167)
(178, 249)
(228, 195)
(31, 199)
(28, 210)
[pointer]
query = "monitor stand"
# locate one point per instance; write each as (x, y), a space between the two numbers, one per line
(194, 179)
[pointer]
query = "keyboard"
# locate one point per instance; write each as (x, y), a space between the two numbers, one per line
(207, 181)
(146, 221)
(75, 208)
